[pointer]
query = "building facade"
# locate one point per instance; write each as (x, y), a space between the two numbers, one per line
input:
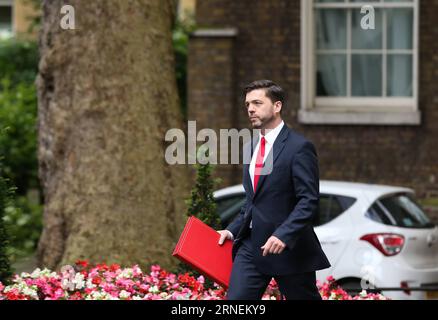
(365, 94)
(16, 18)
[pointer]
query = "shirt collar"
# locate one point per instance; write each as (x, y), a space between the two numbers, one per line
(272, 134)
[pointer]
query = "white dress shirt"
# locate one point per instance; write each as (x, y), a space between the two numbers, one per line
(270, 136)
(270, 139)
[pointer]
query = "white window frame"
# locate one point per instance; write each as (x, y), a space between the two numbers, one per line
(11, 4)
(353, 110)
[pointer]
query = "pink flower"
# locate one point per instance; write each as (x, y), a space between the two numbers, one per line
(131, 283)
(155, 268)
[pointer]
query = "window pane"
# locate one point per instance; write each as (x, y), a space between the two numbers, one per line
(406, 212)
(228, 208)
(366, 78)
(323, 210)
(376, 213)
(335, 209)
(400, 28)
(346, 202)
(366, 38)
(222, 204)
(400, 75)
(331, 77)
(5, 19)
(331, 29)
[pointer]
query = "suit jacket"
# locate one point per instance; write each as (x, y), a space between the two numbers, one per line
(284, 205)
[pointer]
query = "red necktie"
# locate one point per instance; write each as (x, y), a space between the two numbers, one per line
(259, 162)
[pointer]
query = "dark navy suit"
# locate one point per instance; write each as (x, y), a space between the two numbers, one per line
(284, 205)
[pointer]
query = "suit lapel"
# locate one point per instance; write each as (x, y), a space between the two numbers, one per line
(247, 156)
(268, 165)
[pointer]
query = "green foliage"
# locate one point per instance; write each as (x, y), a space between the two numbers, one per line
(5, 267)
(23, 218)
(181, 32)
(18, 61)
(201, 203)
(18, 145)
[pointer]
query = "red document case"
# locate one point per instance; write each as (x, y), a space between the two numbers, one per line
(198, 246)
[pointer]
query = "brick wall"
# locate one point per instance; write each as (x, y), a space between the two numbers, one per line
(268, 46)
(23, 14)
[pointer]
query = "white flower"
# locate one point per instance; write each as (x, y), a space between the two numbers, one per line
(30, 292)
(90, 284)
(154, 289)
(124, 294)
(66, 284)
(363, 293)
(126, 273)
(97, 295)
(79, 281)
(36, 273)
(164, 295)
(9, 288)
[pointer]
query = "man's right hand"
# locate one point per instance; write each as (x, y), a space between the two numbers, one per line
(225, 234)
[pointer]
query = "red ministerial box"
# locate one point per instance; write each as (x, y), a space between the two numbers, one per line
(198, 246)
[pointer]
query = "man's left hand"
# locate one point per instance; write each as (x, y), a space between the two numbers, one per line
(273, 246)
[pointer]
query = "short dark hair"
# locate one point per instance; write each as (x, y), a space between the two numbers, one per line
(273, 91)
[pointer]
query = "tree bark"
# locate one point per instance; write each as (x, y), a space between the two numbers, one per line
(107, 95)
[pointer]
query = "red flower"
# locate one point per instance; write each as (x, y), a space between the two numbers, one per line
(82, 263)
(163, 274)
(102, 267)
(13, 295)
(96, 280)
(114, 267)
(76, 296)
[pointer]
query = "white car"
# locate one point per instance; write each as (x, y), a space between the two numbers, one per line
(374, 236)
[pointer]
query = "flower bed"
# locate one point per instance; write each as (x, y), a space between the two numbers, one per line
(103, 282)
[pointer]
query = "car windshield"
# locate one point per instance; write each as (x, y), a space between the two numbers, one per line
(401, 210)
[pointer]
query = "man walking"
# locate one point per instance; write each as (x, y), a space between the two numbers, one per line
(273, 234)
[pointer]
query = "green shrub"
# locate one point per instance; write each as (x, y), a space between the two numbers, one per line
(18, 61)
(180, 36)
(18, 144)
(5, 267)
(203, 206)
(23, 219)
(201, 203)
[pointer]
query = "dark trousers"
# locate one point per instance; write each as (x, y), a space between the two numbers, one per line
(247, 283)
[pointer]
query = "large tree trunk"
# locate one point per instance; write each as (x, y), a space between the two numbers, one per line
(107, 94)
